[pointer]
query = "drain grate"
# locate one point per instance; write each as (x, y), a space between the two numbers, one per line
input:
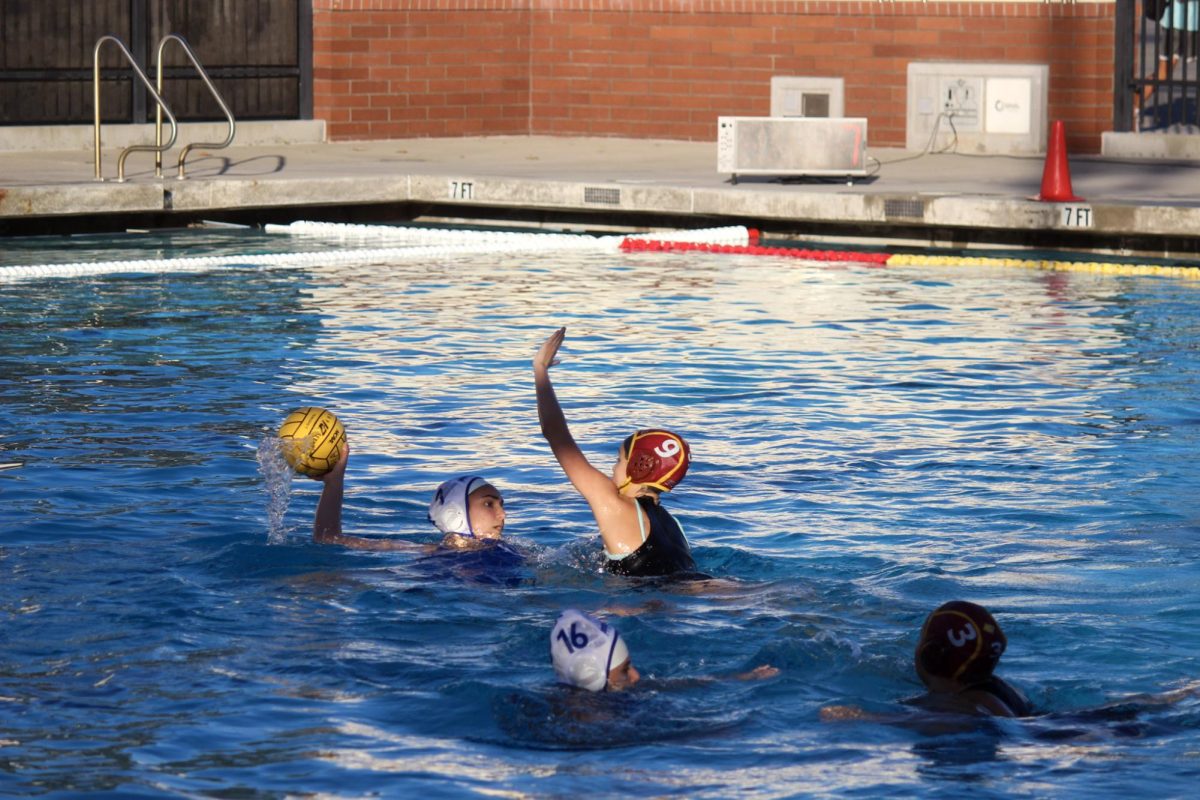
(912, 209)
(603, 195)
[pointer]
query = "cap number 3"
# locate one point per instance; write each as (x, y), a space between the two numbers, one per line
(959, 639)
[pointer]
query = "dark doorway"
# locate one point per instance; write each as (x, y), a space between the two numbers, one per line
(257, 52)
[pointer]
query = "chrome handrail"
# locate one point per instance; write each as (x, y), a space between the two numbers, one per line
(159, 111)
(159, 147)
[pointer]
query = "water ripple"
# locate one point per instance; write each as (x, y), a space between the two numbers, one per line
(868, 443)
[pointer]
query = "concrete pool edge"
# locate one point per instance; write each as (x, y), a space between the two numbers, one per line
(1130, 206)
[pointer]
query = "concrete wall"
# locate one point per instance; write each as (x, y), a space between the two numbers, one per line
(668, 68)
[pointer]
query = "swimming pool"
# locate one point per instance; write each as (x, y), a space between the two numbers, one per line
(868, 442)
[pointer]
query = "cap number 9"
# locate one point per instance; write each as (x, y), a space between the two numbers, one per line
(668, 448)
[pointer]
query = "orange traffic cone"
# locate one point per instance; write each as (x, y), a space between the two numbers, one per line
(1056, 175)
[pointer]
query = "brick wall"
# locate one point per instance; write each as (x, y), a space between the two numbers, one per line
(668, 68)
(389, 69)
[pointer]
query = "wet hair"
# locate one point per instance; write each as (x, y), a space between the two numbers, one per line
(960, 641)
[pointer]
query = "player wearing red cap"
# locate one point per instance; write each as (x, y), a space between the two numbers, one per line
(960, 645)
(640, 537)
(958, 650)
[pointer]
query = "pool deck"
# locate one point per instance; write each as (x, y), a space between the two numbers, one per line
(1131, 204)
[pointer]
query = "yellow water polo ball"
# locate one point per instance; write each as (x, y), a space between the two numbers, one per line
(312, 440)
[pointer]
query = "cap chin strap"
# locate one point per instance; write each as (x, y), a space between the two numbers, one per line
(625, 454)
(657, 486)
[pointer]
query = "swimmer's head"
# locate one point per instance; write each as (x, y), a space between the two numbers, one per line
(468, 506)
(655, 458)
(961, 643)
(589, 653)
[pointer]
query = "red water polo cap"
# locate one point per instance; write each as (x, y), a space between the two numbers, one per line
(961, 641)
(657, 458)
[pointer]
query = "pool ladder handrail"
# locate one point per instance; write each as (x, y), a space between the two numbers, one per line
(187, 50)
(158, 148)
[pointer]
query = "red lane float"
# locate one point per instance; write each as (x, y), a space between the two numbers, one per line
(752, 249)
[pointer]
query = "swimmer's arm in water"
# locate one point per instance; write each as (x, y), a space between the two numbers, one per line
(1186, 691)
(853, 713)
(930, 723)
(616, 516)
(327, 526)
(1126, 709)
(969, 702)
(650, 606)
(759, 673)
(842, 713)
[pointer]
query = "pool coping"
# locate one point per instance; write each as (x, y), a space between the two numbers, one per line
(1127, 205)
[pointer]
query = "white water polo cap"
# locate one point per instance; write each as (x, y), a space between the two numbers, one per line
(584, 650)
(448, 510)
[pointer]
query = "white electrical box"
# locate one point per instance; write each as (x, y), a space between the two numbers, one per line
(977, 107)
(791, 146)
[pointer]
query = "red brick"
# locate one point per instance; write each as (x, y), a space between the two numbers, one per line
(368, 87)
(590, 68)
(938, 23)
(348, 45)
(368, 114)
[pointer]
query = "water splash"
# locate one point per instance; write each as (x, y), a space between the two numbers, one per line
(277, 477)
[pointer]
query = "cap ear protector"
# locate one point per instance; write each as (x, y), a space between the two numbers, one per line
(448, 509)
(584, 650)
(656, 458)
(960, 641)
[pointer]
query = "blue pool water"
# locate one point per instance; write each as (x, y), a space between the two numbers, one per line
(868, 443)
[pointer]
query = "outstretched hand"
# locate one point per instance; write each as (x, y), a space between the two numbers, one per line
(546, 354)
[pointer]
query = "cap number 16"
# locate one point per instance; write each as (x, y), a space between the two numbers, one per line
(577, 641)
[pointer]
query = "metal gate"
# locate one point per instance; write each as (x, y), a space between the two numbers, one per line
(257, 52)
(1157, 75)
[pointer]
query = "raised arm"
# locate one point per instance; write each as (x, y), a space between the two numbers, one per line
(327, 525)
(579, 471)
(615, 515)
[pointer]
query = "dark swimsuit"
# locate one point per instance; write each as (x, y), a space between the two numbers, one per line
(497, 563)
(959, 703)
(1006, 694)
(664, 551)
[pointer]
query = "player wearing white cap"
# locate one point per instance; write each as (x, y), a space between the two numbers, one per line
(467, 509)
